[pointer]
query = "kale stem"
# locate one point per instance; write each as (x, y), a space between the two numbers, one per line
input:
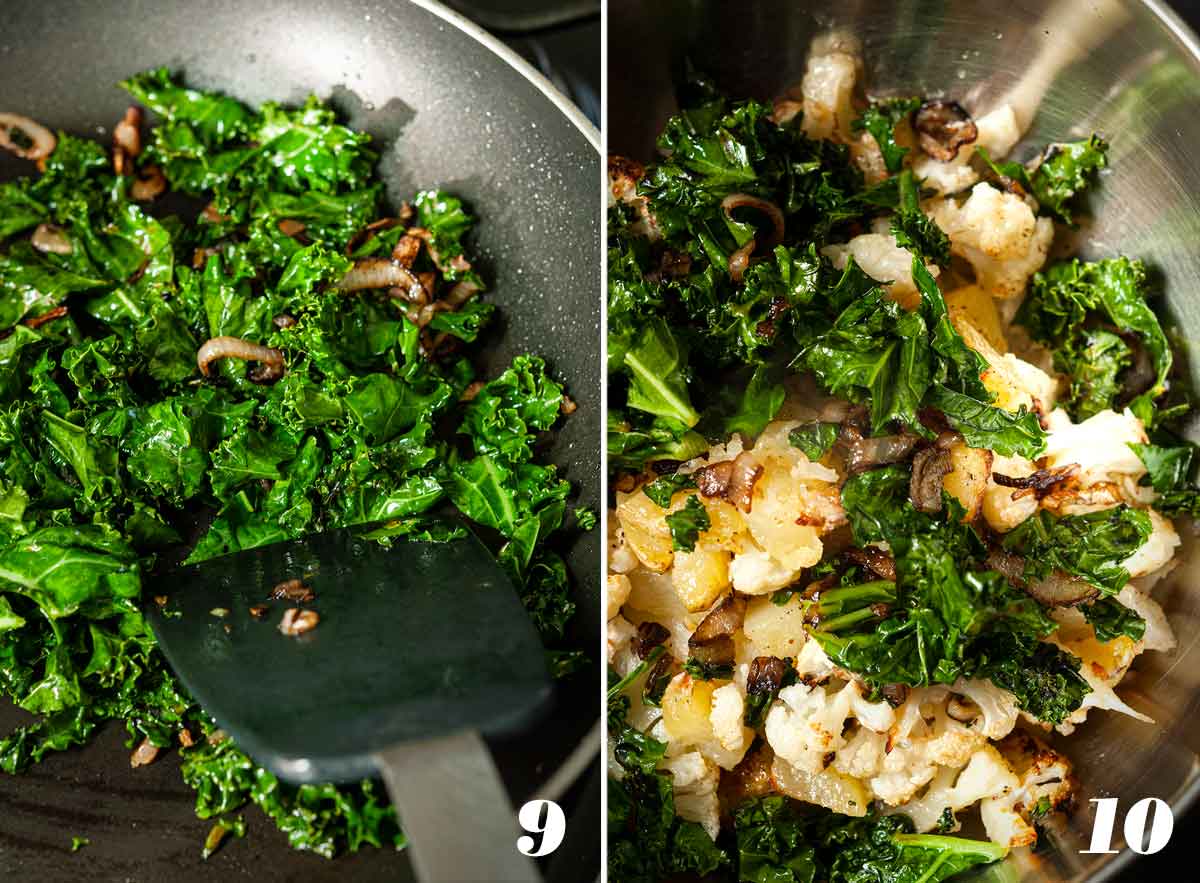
(846, 620)
(848, 598)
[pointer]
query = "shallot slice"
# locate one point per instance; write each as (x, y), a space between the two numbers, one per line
(270, 360)
(378, 273)
(52, 239)
(37, 142)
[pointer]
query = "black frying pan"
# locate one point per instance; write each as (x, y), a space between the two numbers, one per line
(454, 109)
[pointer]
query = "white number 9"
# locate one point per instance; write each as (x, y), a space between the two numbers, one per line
(552, 825)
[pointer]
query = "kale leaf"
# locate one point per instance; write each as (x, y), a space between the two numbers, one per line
(1111, 619)
(114, 449)
(687, 523)
(1112, 291)
(881, 119)
(777, 842)
(946, 616)
(814, 438)
(1090, 546)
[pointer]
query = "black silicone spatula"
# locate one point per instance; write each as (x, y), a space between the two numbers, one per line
(420, 650)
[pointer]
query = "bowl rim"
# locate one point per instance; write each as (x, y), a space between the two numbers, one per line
(1185, 801)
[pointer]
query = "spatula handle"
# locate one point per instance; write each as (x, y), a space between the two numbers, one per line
(455, 811)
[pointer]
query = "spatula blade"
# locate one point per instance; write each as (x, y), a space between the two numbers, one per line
(413, 642)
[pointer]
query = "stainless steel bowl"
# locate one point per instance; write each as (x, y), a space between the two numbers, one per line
(1129, 70)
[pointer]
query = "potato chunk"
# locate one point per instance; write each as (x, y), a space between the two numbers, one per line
(967, 480)
(700, 576)
(775, 629)
(687, 707)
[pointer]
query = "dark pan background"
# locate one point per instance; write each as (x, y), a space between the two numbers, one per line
(449, 114)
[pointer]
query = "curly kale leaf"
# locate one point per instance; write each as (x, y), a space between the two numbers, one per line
(1090, 546)
(1111, 619)
(1066, 296)
(1063, 173)
(881, 119)
(814, 438)
(778, 842)
(1170, 472)
(915, 230)
(687, 523)
(647, 841)
(946, 616)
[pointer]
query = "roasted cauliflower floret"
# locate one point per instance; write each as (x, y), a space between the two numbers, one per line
(620, 633)
(1157, 551)
(1045, 784)
(997, 131)
(878, 255)
(1003, 507)
(1014, 382)
(616, 593)
(1099, 445)
(985, 775)
(834, 64)
(998, 234)
(695, 779)
(728, 708)
(754, 572)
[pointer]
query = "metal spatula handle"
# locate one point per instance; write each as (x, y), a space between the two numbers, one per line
(455, 811)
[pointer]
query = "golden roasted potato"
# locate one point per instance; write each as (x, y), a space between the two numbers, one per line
(967, 480)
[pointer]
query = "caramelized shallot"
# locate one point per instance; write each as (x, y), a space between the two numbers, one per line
(943, 127)
(731, 480)
(48, 238)
(25, 138)
(270, 360)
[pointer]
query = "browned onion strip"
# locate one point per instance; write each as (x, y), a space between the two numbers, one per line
(1040, 484)
(462, 292)
(712, 642)
(740, 260)
(943, 127)
(875, 560)
(770, 209)
(42, 140)
(1059, 589)
(270, 360)
(52, 239)
(127, 141)
(766, 675)
(149, 184)
(860, 454)
(929, 468)
(731, 480)
(376, 273)
(144, 754)
(38, 321)
(649, 635)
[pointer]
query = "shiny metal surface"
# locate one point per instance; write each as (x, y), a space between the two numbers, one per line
(1129, 70)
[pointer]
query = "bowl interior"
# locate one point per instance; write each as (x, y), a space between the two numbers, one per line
(1127, 70)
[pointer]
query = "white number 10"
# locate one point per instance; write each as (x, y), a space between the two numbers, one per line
(552, 826)
(1135, 826)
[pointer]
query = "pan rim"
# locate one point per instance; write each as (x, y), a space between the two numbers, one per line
(565, 106)
(562, 776)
